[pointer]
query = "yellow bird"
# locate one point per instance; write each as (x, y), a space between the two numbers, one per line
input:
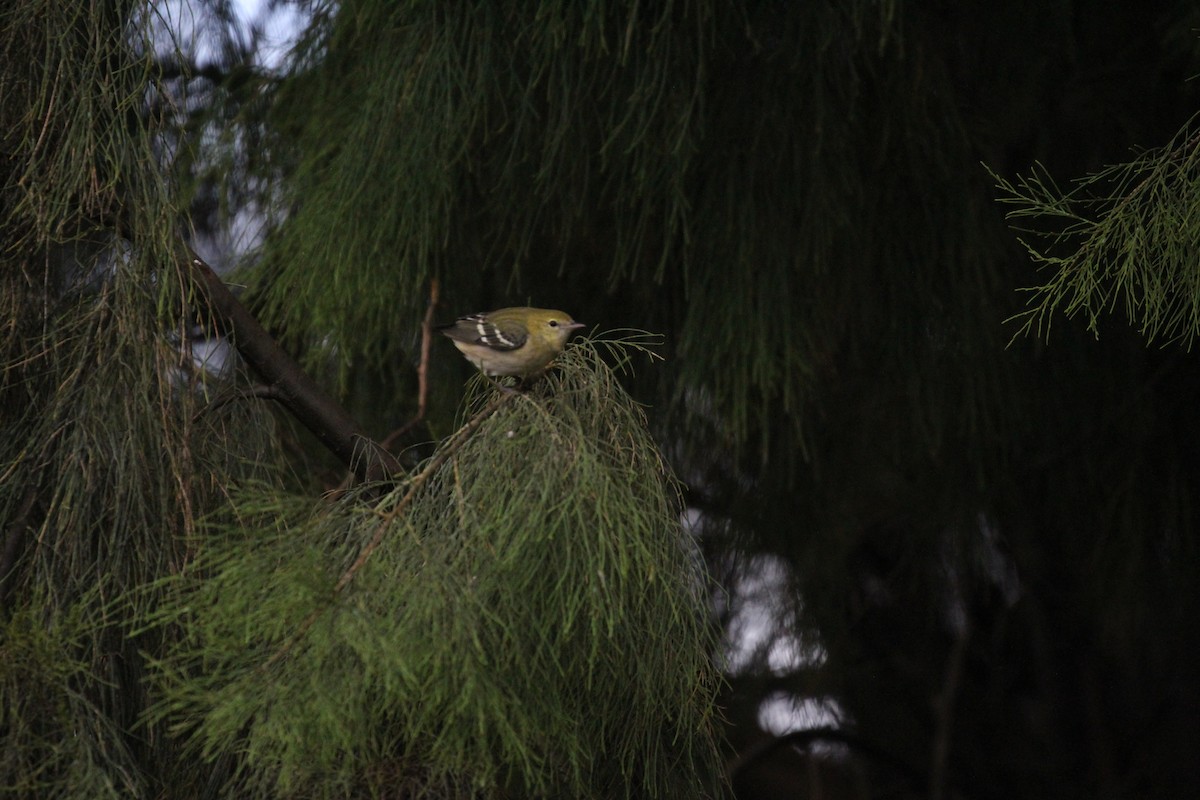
(512, 341)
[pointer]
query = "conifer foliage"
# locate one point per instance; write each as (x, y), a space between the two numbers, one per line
(977, 549)
(503, 622)
(185, 616)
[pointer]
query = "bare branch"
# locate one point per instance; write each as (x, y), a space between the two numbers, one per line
(291, 385)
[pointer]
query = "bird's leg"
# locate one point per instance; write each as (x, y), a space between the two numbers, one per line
(527, 382)
(501, 386)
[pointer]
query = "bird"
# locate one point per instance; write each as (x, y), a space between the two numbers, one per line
(518, 341)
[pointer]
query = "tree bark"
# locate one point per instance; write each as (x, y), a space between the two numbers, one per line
(290, 384)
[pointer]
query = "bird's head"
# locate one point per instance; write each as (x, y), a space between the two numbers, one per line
(552, 325)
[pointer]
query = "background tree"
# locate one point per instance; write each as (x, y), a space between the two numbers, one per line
(984, 548)
(184, 616)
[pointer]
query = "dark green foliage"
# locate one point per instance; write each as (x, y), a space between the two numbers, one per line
(47, 688)
(1122, 238)
(986, 543)
(102, 461)
(521, 630)
(416, 126)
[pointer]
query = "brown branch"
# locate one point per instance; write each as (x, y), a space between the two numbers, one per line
(804, 739)
(291, 385)
(422, 370)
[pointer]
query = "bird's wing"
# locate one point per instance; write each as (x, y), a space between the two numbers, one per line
(478, 329)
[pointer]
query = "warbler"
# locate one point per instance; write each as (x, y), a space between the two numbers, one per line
(512, 341)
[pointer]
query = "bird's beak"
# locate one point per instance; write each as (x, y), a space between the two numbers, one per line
(575, 325)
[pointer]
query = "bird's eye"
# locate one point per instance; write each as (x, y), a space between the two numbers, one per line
(553, 323)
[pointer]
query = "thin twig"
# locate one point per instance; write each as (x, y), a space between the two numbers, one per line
(452, 446)
(50, 110)
(422, 369)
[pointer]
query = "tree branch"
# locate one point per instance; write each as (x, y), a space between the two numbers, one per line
(803, 739)
(291, 385)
